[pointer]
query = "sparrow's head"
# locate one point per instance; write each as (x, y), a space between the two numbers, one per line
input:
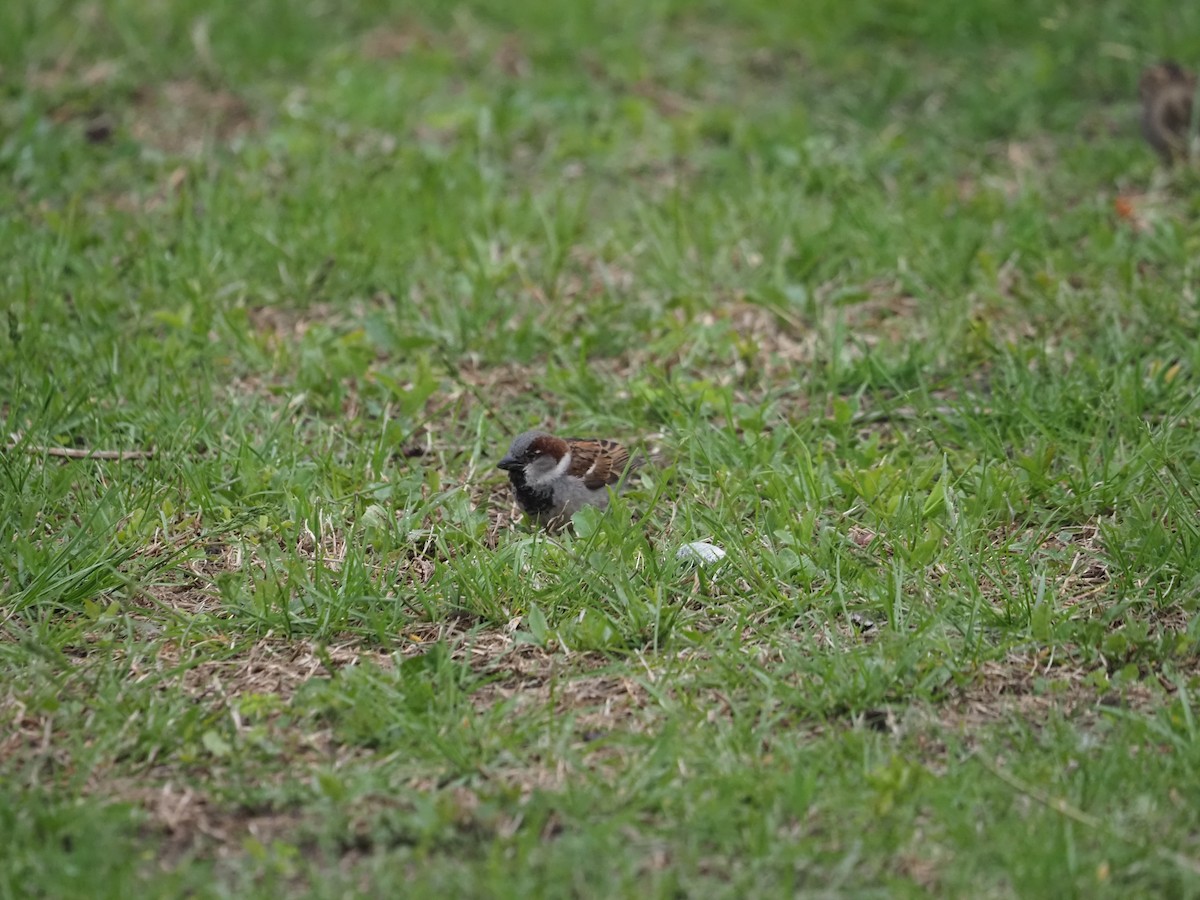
(1165, 74)
(538, 455)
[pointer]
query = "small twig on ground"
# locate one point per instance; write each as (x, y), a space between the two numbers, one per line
(75, 452)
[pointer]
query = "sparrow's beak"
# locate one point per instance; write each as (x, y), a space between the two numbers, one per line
(507, 463)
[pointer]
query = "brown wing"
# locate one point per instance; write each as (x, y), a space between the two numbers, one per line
(1167, 92)
(598, 463)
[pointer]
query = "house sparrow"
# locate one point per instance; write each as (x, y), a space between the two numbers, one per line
(553, 478)
(1167, 91)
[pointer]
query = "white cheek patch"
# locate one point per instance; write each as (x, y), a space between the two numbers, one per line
(563, 466)
(559, 470)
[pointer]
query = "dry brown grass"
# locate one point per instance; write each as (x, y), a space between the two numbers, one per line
(183, 117)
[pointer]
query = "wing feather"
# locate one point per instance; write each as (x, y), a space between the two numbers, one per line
(598, 462)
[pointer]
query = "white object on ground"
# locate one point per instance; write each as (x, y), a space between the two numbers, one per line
(701, 551)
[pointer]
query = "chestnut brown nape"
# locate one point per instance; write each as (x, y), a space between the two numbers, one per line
(1167, 92)
(1175, 72)
(1163, 73)
(1156, 77)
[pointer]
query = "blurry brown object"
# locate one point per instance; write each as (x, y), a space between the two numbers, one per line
(1167, 91)
(99, 129)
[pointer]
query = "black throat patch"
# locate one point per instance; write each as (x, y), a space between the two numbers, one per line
(534, 501)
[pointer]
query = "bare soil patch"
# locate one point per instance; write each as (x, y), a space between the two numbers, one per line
(183, 117)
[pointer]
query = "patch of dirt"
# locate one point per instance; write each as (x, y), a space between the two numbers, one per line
(773, 64)
(395, 41)
(183, 117)
(143, 202)
(282, 324)
(25, 732)
(179, 117)
(600, 703)
(771, 344)
(886, 315)
(919, 865)
(472, 43)
(269, 666)
(1072, 559)
(1087, 574)
(217, 676)
(65, 75)
(191, 823)
(1033, 686)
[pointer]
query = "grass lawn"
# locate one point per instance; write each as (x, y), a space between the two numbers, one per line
(894, 293)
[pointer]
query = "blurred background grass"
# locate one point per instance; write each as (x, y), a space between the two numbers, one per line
(896, 285)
